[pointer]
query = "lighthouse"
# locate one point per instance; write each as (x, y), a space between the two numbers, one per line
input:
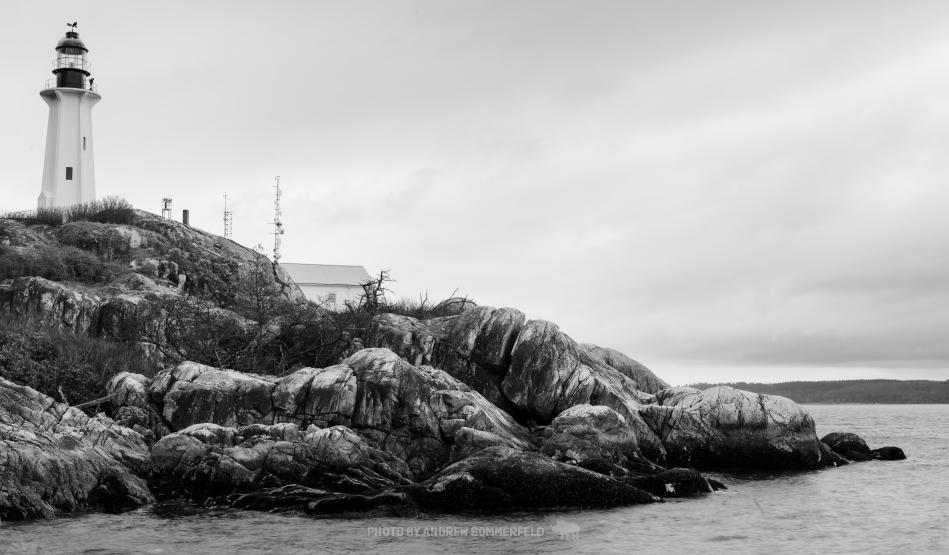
(68, 173)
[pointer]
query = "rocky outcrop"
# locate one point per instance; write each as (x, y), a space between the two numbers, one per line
(853, 447)
(210, 460)
(722, 427)
(531, 370)
(502, 479)
(413, 413)
(55, 459)
(52, 303)
(643, 377)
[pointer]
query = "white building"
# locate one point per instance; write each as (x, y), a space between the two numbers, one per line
(328, 283)
(68, 173)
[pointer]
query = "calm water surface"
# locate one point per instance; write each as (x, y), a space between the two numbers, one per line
(874, 507)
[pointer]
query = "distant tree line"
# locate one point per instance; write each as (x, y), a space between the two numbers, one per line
(851, 391)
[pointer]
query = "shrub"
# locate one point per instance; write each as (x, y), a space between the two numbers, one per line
(47, 359)
(114, 210)
(57, 263)
(110, 210)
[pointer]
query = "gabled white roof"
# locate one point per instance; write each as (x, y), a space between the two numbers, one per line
(325, 274)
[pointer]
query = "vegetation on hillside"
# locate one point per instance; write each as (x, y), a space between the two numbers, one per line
(211, 301)
(851, 391)
(62, 365)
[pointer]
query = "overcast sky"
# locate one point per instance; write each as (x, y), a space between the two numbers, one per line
(723, 190)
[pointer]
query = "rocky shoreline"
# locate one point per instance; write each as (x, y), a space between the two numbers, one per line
(483, 410)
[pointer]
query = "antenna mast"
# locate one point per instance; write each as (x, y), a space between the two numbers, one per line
(277, 221)
(166, 208)
(228, 221)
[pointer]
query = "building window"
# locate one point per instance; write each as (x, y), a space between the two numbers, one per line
(84, 143)
(331, 298)
(68, 173)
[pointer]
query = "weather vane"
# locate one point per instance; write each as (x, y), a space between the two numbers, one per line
(74, 24)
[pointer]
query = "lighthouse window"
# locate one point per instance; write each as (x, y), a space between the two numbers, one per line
(68, 173)
(84, 143)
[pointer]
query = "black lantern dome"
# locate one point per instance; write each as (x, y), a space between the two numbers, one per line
(71, 41)
(70, 67)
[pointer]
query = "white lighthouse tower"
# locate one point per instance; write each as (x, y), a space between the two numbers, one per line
(68, 174)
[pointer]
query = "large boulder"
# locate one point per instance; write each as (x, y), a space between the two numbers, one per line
(193, 393)
(550, 373)
(55, 459)
(503, 479)
(722, 427)
(474, 346)
(132, 407)
(848, 444)
(415, 412)
(585, 432)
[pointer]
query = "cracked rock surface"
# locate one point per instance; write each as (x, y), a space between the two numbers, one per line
(54, 458)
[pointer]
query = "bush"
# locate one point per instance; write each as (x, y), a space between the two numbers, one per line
(46, 360)
(110, 210)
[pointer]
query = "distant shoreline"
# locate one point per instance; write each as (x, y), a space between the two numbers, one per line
(851, 392)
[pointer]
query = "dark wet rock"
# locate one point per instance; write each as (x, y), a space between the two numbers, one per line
(675, 482)
(722, 426)
(831, 456)
(603, 466)
(848, 444)
(346, 503)
(644, 378)
(314, 501)
(502, 479)
(56, 459)
(888, 453)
